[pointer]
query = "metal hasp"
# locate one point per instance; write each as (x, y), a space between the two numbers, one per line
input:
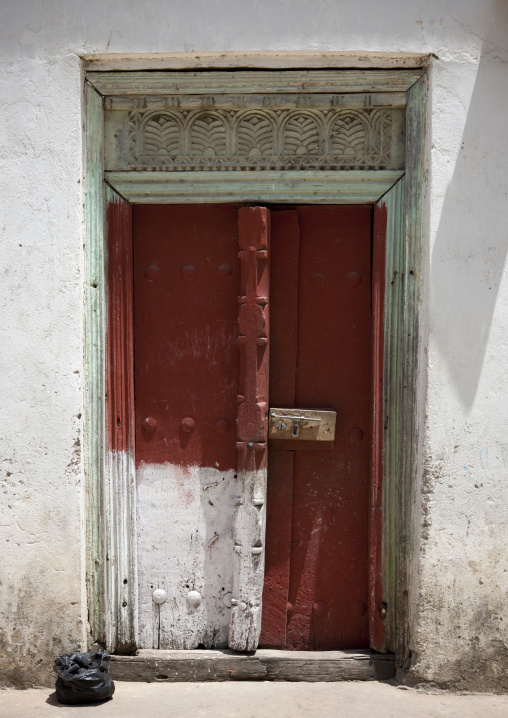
(302, 424)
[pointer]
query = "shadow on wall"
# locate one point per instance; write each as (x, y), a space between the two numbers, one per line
(471, 244)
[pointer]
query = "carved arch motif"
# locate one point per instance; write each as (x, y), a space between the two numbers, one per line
(273, 133)
(349, 135)
(255, 134)
(206, 135)
(302, 134)
(161, 135)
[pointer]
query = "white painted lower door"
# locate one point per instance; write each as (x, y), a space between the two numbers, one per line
(201, 392)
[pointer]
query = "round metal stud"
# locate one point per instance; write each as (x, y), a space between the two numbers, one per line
(355, 435)
(148, 427)
(189, 272)
(224, 271)
(194, 598)
(226, 599)
(222, 426)
(187, 424)
(151, 272)
(159, 595)
(354, 279)
(318, 279)
(319, 608)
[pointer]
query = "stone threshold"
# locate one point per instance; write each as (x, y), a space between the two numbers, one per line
(261, 665)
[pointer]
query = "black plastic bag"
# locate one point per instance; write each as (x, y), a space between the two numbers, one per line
(83, 677)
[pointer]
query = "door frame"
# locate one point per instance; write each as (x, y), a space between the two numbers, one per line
(398, 369)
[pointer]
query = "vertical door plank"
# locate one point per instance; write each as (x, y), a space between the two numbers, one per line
(284, 251)
(252, 428)
(120, 485)
(330, 553)
(377, 608)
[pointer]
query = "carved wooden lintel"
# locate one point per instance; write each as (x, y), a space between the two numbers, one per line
(256, 132)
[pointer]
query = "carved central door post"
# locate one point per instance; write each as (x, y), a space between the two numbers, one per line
(252, 428)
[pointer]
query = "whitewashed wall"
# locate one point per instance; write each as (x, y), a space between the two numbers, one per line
(460, 621)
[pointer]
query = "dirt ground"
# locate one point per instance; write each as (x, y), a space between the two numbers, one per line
(259, 699)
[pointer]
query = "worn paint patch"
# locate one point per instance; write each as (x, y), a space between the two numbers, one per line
(185, 518)
(249, 561)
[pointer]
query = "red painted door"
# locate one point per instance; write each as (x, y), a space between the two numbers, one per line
(317, 560)
(201, 291)
(186, 288)
(200, 484)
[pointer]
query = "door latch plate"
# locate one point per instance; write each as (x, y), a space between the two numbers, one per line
(301, 424)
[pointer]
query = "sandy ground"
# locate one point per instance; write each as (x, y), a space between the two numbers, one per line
(259, 699)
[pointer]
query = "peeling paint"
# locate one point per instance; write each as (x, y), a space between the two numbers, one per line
(457, 637)
(185, 543)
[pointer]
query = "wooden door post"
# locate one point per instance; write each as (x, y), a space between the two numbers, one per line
(252, 429)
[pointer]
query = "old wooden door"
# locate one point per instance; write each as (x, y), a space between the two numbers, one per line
(316, 577)
(202, 299)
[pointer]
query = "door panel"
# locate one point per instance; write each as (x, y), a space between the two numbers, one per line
(284, 257)
(186, 286)
(201, 368)
(328, 575)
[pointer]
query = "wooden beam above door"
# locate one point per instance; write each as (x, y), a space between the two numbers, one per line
(253, 81)
(303, 187)
(254, 59)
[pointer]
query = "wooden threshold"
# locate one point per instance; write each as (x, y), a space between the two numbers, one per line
(262, 665)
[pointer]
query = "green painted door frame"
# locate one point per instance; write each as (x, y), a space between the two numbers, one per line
(109, 499)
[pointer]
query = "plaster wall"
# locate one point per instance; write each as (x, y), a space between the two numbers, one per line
(459, 631)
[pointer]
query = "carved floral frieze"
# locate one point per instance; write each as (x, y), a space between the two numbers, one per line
(293, 134)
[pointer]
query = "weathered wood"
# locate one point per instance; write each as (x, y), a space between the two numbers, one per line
(253, 81)
(412, 378)
(392, 420)
(197, 666)
(94, 417)
(94, 434)
(231, 133)
(256, 59)
(315, 666)
(193, 666)
(304, 187)
(186, 279)
(377, 610)
(284, 257)
(328, 589)
(278, 548)
(114, 104)
(120, 480)
(251, 428)
(284, 445)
